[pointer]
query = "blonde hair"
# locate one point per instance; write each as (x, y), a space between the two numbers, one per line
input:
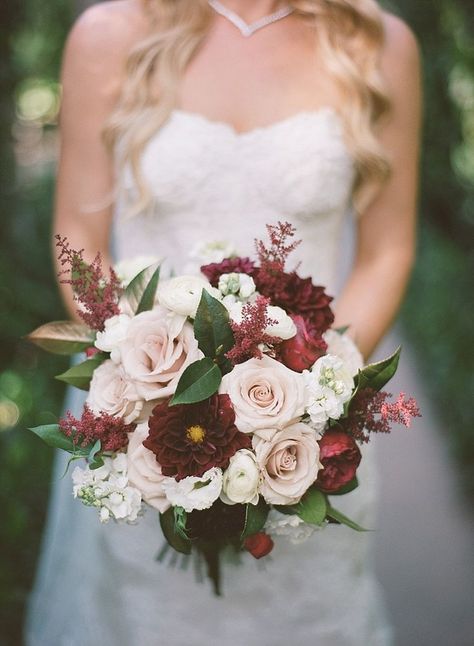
(350, 37)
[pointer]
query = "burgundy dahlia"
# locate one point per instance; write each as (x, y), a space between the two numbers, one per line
(236, 265)
(189, 439)
(299, 296)
(340, 457)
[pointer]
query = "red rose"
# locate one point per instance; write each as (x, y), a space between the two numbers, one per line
(340, 457)
(259, 545)
(303, 350)
(299, 296)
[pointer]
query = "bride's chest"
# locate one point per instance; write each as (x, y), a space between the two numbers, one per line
(298, 166)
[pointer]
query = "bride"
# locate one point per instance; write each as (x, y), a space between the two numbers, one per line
(188, 121)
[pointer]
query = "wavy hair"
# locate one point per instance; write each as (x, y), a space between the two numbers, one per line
(350, 37)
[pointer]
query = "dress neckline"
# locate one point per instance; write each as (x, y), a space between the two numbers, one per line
(317, 113)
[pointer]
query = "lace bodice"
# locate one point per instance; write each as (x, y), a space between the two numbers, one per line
(210, 182)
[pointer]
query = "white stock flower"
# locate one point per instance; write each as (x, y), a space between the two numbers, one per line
(284, 328)
(342, 346)
(289, 526)
(183, 293)
(115, 331)
(240, 286)
(241, 479)
(209, 252)
(329, 386)
(194, 493)
(128, 269)
(108, 489)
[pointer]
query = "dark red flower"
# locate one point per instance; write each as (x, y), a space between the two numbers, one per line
(110, 430)
(259, 545)
(303, 350)
(340, 457)
(299, 296)
(228, 266)
(189, 439)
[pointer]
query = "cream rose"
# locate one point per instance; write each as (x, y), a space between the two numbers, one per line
(111, 391)
(241, 479)
(183, 293)
(157, 349)
(144, 472)
(115, 331)
(284, 328)
(289, 463)
(265, 395)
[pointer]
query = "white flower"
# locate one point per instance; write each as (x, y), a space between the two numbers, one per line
(329, 386)
(284, 328)
(290, 526)
(108, 489)
(240, 286)
(216, 251)
(194, 493)
(241, 479)
(128, 269)
(183, 293)
(115, 331)
(342, 346)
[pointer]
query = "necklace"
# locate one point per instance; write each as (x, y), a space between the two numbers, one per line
(244, 28)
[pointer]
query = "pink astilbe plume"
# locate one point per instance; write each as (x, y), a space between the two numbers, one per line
(98, 296)
(371, 413)
(111, 431)
(273, 258)
(250, 333)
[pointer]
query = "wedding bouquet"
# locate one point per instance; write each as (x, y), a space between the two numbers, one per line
(223, 400)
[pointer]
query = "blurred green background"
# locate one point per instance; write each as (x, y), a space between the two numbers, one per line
(436, 315)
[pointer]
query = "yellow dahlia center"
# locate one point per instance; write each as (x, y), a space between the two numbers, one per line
(196, 434)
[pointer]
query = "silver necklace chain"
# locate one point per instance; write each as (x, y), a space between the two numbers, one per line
(244, 28)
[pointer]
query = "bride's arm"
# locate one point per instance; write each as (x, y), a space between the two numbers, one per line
(386, 230)
(91, 75)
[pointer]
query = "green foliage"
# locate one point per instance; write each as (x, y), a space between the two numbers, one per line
(255, 518)
(175, 538)
(199, 381)
(80, 375)
(341, 519)
(63, 337)
(141, 291)
(212, 329)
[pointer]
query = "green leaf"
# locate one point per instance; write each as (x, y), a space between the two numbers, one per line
(63, 337)
(255, 518)
(94, 459)
(350, 486)
(199, 381)
(312, 507)
(341, 330)
(340, 518)
(212, 327)
(180, 519)
(376, 375)
(52, 436)
(81, 374)
(167, 522)
(140, 292)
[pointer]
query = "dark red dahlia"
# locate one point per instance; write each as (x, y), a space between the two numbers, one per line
(189, 439)
(299, 296)
(228, 266)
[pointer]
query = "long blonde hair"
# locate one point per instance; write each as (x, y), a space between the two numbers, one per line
(350, 36)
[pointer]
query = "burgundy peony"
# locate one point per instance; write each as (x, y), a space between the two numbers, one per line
(259, 545)
(236, 265)
(189, 439)
(303, 350)
(340, 457)
(299, 296)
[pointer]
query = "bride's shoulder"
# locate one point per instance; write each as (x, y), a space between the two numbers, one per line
(108, 29)
(400, 41)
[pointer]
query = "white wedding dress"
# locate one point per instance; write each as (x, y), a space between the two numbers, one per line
(99, 584)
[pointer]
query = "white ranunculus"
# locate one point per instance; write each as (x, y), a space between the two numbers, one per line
(209, 252)
(329, 386)
(183, 293)
(115, 331)
(342, 346)
(265, 395)
(144, 472)
(241, 286)
(289, 526)
(108, 489)
(241, 479)
(128, 269)
(194, 493)
(284, 328)
(112, 392)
